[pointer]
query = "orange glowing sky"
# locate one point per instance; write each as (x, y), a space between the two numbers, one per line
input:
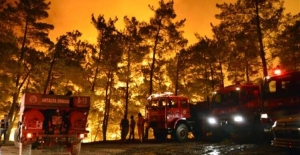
(69, 15)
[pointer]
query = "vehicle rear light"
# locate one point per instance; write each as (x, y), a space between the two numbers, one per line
(29, 135)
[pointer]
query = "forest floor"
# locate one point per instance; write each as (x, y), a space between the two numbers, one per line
(166, 148)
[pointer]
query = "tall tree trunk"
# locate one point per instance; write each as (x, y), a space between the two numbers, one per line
(127, 82)
(98, 127)
(97, 68)
(153, 59)
(107, 103)
(221, 72)
(12, 111)
(177, 75)
(51, 67)
(212, 76)
(104, 123)
(260, 40)
(247, 72)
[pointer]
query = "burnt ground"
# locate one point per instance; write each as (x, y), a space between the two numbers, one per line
(151, 147)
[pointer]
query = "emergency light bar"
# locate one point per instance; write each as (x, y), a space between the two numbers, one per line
(159, 95)
(277, 72)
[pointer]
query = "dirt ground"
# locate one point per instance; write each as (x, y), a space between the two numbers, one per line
(166, 148)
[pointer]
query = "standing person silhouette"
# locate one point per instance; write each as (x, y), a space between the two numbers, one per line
(140, 124)
(132, 126)
(3, 128)
(124, 125)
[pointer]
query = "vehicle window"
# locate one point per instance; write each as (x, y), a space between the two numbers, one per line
(173, 103)
(184, 104)
(272, 86)
(162, 103)
(226, 99)
(292, 86)
(154, 104)
(248, 94)
(217, 98)
(280, 86)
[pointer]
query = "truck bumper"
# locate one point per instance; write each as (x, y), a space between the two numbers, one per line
(287, 143)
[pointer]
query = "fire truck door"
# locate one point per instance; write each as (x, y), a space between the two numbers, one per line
(184, 111)
(173, 111)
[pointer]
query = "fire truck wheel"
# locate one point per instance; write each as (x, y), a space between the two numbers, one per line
(17, 138)
(258, 132)
(181, 133)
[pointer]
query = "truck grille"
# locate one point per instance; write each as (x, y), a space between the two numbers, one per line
(287, 133)
(287, 130)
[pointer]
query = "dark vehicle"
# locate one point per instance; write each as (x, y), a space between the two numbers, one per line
(52, 120)
(235, 113)
(168, 114)
(281, 108)
(280, 97)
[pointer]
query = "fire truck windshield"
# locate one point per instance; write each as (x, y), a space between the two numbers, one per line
(157, 104)
(225, 99)
(162, 102)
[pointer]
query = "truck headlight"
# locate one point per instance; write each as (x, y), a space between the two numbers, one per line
(211, 120)
(238, 118)
(29, 135)
(265, 116)
(274, 125)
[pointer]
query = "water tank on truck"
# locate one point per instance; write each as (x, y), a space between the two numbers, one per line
(52, 120)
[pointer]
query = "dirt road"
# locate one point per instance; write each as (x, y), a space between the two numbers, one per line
(167, 148)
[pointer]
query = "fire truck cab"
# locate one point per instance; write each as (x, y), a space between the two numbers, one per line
(168, 114)
(234, 113)
(280, 97)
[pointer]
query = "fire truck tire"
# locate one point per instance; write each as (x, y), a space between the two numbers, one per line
(258, 132)
(198, 132)
(17, 138)
(160, 135)
(181, 133)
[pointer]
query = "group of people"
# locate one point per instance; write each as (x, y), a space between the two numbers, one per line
(127, 126)
(3, 128)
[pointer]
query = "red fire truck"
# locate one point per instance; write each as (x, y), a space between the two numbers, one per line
(280, 97)
(235, 113)
(52, 121)
(168, 114)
